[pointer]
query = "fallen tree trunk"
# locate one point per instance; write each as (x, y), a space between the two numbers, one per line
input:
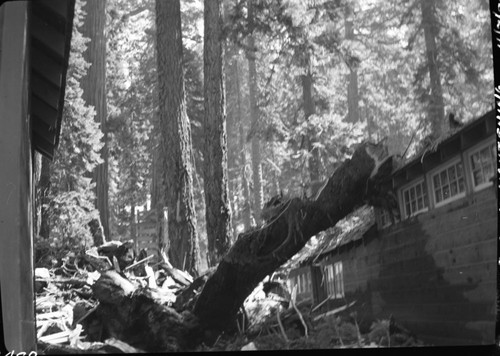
(257, 253)
(260, 252)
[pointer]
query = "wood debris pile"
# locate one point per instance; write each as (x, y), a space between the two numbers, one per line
(67, 302)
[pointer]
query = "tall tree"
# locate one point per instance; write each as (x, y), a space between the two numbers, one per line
(218, 212)
(258, 191)
(94, 93)
(436, 102)
(247, 210)
(352, 89)
(175, 142)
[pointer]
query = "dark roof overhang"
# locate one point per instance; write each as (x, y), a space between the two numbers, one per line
(469, 135)
(50, 26)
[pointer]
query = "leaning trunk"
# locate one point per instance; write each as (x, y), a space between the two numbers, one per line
(135, 316)
(258, 253)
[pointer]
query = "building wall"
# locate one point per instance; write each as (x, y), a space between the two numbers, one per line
(16, 243)
(435, 273)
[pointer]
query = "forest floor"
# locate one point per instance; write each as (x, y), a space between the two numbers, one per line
(65, 304)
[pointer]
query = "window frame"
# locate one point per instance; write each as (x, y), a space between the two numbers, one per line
(335, 284)
(339, 279)
(469, 155)
(444, 167)
(407, 187)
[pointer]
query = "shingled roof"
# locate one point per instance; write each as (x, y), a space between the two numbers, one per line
(349, 229)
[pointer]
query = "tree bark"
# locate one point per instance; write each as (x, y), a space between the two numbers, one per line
(175, 142)
(94, 94)
(258, 191)
(218, 213)
(309, 110)
(352, 89)
(258, 253)
(436, 104)
(247, 211)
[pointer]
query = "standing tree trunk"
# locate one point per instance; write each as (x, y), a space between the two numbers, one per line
(175, 142)
(94, 93)
(352, 89)
(218, 213)
(247, 213)
(436, 104)
(309, 110)
(258, 191)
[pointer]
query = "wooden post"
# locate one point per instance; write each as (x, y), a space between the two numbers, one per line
(16, 192)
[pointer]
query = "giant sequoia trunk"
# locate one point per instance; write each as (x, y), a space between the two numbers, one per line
(175, 141)
(94, 93)
(218, 213)
(256, 254)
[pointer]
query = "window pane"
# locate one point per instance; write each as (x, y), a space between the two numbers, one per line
(459, 169)
(485, 156)
(451, 173)
(426, 203)
(478, 177)
(413, 206)
(420, 203)
(439, 196)
(454, 188)
(474, 160)
(407, 209)
(436, 181)
(488, 172)
(418, 190)
(412, 193)
(461, 185)
(407, 196)
(446, 192)
(444, 178)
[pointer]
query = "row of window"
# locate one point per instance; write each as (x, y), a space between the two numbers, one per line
(332, 277)
(448, 183)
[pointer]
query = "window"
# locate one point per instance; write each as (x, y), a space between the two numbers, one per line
(448, 184)
(339, 280)
(482, 163)
(330, 286)
(415, 199)
(334, 280)
(385, 218)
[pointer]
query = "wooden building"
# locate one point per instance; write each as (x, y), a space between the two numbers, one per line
(34, 50)
(435, 270)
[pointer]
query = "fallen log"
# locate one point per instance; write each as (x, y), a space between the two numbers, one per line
(260, 252)
(132, 316)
